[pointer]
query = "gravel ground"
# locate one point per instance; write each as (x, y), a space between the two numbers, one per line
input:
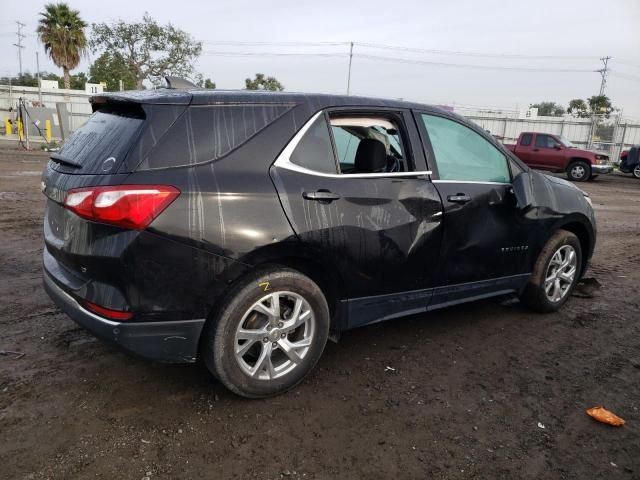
(487, 390)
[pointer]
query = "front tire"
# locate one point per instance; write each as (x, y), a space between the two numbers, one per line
(579, 171)
(268, 334)
(555, 273)
(636, 171)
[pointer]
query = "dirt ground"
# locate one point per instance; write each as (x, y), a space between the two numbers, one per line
(486, 390)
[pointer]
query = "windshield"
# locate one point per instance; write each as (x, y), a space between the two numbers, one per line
(566, 142)
(100, 145)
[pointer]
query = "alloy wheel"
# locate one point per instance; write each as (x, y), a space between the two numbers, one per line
(577, 171)
(561, 273)
(636, 171)
(274, 335)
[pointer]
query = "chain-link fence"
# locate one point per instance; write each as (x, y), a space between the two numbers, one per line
(67, 110)
(611, 135)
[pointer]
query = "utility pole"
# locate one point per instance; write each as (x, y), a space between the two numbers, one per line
(349, 75)
(39, 81)
(603, 72)
(19, 44)
(594, 115)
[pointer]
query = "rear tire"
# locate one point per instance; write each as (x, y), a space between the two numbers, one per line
(268, 334)
(579, 171)
(555, 273)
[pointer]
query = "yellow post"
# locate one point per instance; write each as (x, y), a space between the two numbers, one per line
(47, 130)
(7, 127)
(20, 130)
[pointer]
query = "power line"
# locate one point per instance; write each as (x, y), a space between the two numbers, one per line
(626, 76)
(276, 44)
(472, 66)
(628, 64)
(394, 59)
(473, 54)
(215, 53)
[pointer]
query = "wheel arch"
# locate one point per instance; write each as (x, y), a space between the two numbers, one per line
(585, 235)
(292, 255)
(573, 160)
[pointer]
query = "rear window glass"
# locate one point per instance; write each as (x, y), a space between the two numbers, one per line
(205, 133)
(315, 151)
(101, 144)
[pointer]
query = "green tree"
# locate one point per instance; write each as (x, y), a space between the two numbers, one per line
(578, 108)
(26, 80)
(149, 49)
(263, 83)
(594, 105)
(111, 68)
(600, 105)
(78, 81)
(203, 82)
(548, 109)
(61, 31)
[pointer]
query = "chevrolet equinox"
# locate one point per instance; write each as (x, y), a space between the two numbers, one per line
(246, 228)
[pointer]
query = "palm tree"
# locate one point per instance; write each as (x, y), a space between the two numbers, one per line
(61, 30)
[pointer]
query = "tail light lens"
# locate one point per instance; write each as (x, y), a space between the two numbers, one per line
(127, 206)
(108, 312)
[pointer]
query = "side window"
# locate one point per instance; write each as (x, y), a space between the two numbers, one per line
(206, 133)
(461, 154)
(314, 151)
(525, 141)
(545, 141)
(368, 144)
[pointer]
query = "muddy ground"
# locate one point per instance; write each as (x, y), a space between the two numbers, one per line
(487, 390)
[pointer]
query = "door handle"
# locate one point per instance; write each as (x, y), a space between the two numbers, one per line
(321, 196)
(459, 198)
(536, 149)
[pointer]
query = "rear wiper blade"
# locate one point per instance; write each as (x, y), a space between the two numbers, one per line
(56, 157)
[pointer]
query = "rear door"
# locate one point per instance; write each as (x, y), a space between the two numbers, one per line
(484, 244)
(349, 187)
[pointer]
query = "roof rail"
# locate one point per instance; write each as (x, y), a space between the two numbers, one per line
(178, 82)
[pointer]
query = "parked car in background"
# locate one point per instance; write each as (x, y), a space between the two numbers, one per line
(557, 154)
(246, 228)
(630, 161)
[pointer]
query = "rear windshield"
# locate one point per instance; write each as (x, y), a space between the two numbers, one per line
(100, 145)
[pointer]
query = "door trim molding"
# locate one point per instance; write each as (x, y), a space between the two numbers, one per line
(378, 308)
(284, 160)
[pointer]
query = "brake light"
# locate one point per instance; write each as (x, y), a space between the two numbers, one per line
(127, 206)
(108, 313)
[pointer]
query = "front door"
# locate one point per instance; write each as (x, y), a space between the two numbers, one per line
(348, 185)
(484, 244)
(549, 153)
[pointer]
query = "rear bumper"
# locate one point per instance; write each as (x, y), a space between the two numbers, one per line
(601, 169)
(167, 342)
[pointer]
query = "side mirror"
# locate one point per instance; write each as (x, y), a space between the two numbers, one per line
(523, 190)
(557, 147)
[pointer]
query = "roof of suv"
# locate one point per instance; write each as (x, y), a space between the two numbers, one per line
(212, 97)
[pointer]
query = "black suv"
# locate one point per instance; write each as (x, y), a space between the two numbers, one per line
(246, 228)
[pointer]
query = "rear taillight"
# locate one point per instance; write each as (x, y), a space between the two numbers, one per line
(108, 312)
(127, 206)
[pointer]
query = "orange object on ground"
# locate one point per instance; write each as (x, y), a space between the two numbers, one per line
(605, 416)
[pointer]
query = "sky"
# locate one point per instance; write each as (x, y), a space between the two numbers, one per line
(523, 39)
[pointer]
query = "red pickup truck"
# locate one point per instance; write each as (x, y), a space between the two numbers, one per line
(557, 154)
